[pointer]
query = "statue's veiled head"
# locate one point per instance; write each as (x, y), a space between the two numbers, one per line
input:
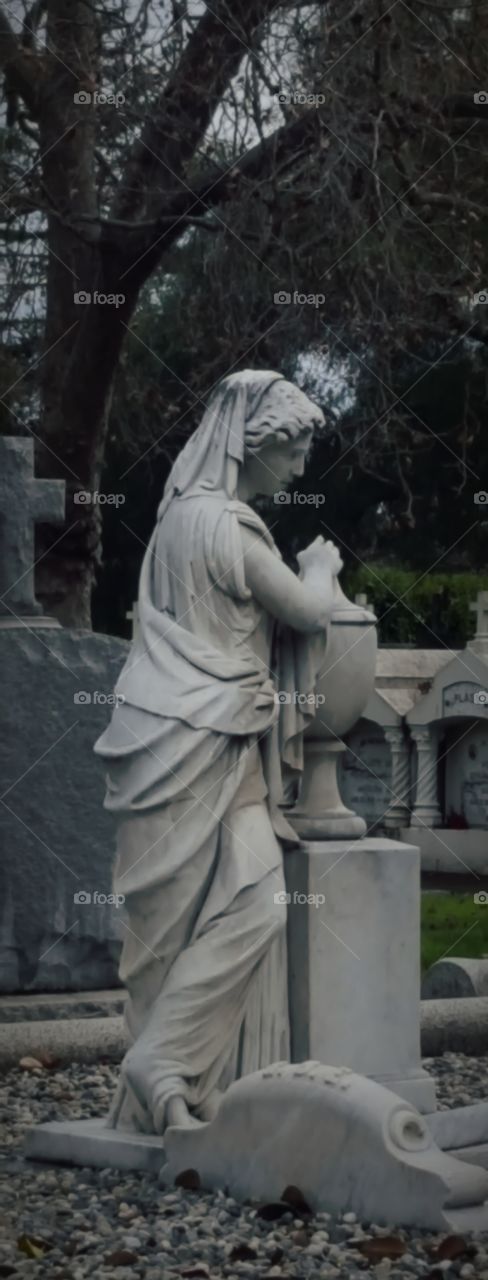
(253, 439)
(277, 439)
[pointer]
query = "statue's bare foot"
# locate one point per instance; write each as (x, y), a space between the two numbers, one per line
(177, 1114)
(210, 1107)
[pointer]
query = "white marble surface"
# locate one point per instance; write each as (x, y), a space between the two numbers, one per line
(448, 850)
(208, 714)
(90, 1143)
(456, 978)
(460, 1127)
(354, 960)
(346, 1142)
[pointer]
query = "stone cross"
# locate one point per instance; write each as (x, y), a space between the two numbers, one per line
(23, 501)
(480, 608)
(133, 616)
(362, 600)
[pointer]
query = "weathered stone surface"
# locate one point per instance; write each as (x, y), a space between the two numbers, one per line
(455, 978)
(354, 960)
(57, 839)
(450, 852)
(42, 1006)
(454, 1026)
(80, 1030)
(24, 500)
(460, 1127)
(89, 1142)
(76, 1040)
(347, 1143)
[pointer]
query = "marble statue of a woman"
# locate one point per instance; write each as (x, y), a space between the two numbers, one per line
(213, 701)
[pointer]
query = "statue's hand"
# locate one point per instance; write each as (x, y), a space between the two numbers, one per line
(320, 554)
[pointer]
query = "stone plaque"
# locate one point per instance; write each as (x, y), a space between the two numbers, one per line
(458, 698)
(364, 774)
(475, 783)
(467, 776)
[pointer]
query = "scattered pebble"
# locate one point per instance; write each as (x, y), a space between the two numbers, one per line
(103, 1224)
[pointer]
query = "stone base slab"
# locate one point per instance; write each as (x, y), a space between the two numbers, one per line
(90, 1143)
(460, 1127)
(472, 1155)
(449, 851)
(418, 1089)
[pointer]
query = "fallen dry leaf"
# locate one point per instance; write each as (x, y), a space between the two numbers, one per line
(33, 1246)
(272, 1211)
(296, 1199)
(189, 1179)
(243, 1253)
(452, 1247)
(121, 1258)
(49, 1061)
(382, 1247)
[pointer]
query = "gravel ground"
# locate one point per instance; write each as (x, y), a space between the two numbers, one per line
(73, 1224)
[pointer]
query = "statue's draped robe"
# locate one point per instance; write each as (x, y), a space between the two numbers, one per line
(194, 753)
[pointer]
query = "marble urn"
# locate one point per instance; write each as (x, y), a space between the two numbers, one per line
(345, 681)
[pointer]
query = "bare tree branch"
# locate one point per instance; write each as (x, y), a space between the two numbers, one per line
(178, 123)
(21, 65)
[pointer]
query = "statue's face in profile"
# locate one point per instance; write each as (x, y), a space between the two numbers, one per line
(278, 464)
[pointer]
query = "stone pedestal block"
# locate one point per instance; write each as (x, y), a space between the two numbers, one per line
(354, 961)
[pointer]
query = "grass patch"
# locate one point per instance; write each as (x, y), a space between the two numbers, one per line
(453, 923)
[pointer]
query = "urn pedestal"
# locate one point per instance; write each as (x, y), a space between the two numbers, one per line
(345, 682)
(354, 948)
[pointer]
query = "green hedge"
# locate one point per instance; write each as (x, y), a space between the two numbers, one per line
(435, 609)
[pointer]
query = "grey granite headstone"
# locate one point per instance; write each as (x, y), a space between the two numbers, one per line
(59, 931)
(456, 978)
(57, 840)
